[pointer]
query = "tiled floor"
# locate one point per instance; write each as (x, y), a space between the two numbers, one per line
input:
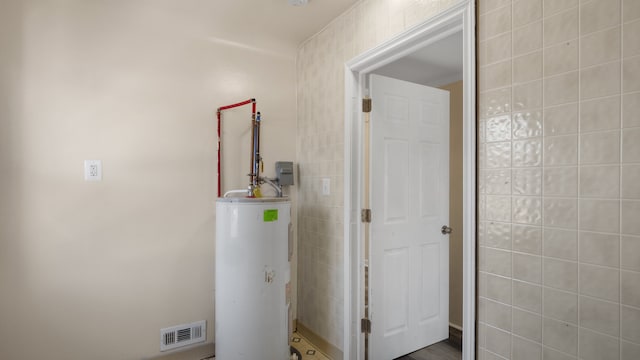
(438, 351)
(298, 341)
(307, 350)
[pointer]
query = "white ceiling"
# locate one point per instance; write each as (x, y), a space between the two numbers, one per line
(269, 23)
(435, 65)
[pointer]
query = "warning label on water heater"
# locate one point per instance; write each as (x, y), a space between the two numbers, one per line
(270, 215)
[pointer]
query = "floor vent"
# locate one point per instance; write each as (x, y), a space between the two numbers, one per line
(183, 335)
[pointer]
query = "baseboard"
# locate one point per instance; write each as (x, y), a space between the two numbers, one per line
(319, 342)
(200, 351)
(455, 337)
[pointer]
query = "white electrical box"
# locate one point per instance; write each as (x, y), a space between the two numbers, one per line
(93, 170)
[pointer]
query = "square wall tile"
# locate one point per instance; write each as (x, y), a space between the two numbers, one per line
(561, 58)
(498, 341)
(630, 288)
(527, 296)
(551, 354)
(600, 282)
(527, 124)
(498, 235)
(629, 351)
(561, 181)
(527, 96)
(601, 316)
(561, 120)
(631, 145)
(554, 6)
(600, 80)
(630, 41)
(498, 48)
(527, 38)
(560, 243)
(527, 181)
(561, 89)
(561, 305)
(561, 27)
(494, 102)
(631, 9)
(600, 249)
(600, 47)
(560, 213)
(631, 74)
(560, 335)
(498, 315)
(498, 128)
(598, 15)
(497, 181)
(498, 288)
(527, 67)
(600, 114)
(527, 268)
(600, 181)
(630, 253)
(489, 5)
(560, 150)
(495, 22)
(498, 155)
(630, 324)
(527, 153)
(498, 208)
(630, 214)
(594, 346)
(631, 110)
(526, 350)
(495, 261)
(527, 239)
(526, 11)
(527, 210)
(560, 274)
(527, 325)
(600, 148)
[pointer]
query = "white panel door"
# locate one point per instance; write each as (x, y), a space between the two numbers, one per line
(409, 263)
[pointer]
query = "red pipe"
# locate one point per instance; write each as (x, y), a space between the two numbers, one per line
(220, 109)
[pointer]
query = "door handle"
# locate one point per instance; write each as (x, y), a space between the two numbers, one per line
(446, 230)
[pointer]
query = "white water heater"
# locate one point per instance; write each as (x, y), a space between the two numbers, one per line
(252, 296)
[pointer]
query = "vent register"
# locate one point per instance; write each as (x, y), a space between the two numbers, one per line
(183, 335)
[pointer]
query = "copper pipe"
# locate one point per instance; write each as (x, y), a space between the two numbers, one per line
(253, 116)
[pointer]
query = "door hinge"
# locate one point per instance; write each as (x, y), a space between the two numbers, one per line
(366, 105)
(365, 215)
(365, 326)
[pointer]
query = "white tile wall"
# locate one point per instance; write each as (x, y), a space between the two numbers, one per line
(575, 289)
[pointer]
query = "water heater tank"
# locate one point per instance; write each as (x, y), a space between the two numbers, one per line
(252, 278)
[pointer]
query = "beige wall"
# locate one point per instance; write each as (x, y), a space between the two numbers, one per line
(455, 202)
(320, 78)
(559, 179)
(94, 270)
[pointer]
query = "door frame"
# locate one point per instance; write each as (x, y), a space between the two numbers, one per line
(460, 17)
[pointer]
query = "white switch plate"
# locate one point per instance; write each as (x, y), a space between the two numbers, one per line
(326, 186)
(93, 170)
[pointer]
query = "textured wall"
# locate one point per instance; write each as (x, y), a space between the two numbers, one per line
(559, 179)
(320, 71)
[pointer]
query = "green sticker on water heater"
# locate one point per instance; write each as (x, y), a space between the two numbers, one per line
(270, 215)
